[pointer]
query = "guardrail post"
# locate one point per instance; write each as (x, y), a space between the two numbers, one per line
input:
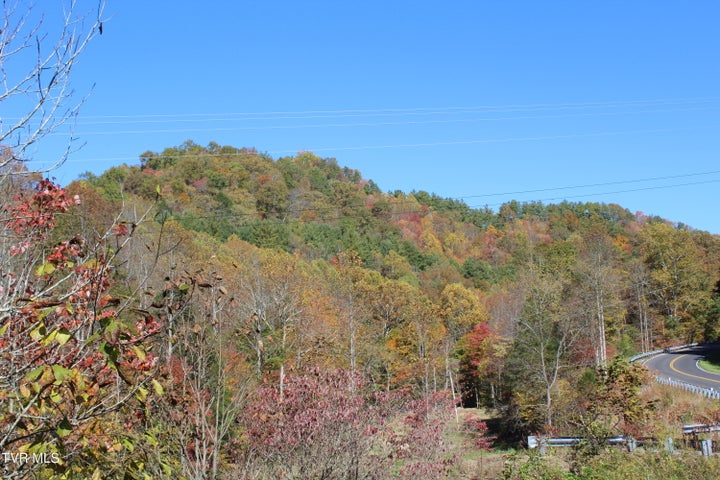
(706, 446)
(630, 444)
(669, 445)
(543, 446)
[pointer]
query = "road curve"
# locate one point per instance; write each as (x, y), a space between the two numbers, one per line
(681, 365)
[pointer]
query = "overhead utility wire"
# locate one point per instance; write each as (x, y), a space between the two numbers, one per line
(302, 114)
(510, 107)
(385, 123)
(589, 185)
(510, 139)
(640, 189)
(413, 145)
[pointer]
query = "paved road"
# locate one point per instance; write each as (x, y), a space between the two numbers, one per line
(681, 365)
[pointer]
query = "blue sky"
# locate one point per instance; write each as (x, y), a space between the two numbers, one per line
(488, 101)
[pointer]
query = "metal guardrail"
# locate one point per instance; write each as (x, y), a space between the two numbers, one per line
(640, 356)
(535, 441)
(707, 446)
(542, 442)
(700, 428)
(706, 392)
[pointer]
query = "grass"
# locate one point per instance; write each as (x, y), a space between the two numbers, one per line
(711, 363)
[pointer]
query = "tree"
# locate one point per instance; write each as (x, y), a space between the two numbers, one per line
(71, 352)
(416, 345)
(545, 334)
(207, 379)
(388, 302)
(679, 283)
(272, 307)
(480, 353)
(617, 404)
(599, 288)
(36, 61)
(640, 301)
(460, 310)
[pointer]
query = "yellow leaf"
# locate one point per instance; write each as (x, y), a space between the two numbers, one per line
(141, 394)
(62, 336)
(38, 333)
(24, 391)
(44, 269)
(139, 352)
(158, 388)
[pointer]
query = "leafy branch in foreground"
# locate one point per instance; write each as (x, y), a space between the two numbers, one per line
(71, 353)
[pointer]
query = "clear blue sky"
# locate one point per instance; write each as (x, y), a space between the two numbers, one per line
(615, 101)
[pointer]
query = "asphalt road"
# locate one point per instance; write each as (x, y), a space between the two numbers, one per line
(682, 365)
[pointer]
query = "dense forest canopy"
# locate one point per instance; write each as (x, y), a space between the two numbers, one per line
(253, 308)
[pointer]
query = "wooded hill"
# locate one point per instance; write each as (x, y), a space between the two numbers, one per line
(257, 308)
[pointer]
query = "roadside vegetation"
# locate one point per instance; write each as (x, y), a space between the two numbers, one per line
(211, 312)
(711, 363)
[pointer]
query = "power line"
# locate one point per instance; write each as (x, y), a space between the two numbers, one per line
(411, 145)
(511, 139)
(340, 113)
(641, 189)
(359, 124)
(590, 185)
(421, 110)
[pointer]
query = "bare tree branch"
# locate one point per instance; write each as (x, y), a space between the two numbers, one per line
(35, 70)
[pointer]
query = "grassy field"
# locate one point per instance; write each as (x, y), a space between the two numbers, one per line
(711, 363)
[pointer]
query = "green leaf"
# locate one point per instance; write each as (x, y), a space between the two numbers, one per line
(45, 312)
(92, 338)
(60, 373)
(4, 328)
(49, 338)
(62, 336)
(45, 269)
(128, 445)
(35, 374)
(38, 333)
(110, 351)
(64, 428)
(151, 439)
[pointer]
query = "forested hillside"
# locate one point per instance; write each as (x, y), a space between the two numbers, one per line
(214, 312)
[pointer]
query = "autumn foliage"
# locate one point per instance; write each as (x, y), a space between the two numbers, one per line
(327, 424)
(70, 353)
(216, 313)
